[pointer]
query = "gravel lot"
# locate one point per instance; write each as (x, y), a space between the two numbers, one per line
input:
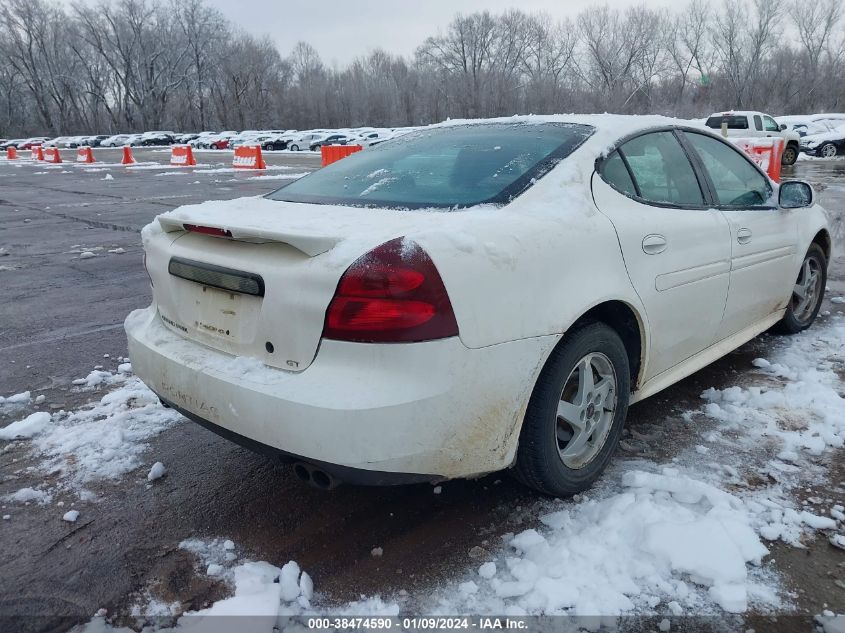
(62, 312)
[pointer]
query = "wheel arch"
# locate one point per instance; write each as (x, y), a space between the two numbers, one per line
(626, 321)
(822, 238)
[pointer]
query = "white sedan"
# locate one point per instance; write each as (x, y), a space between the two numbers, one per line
(474, 296)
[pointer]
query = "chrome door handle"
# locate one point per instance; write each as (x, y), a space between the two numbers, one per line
(743, 236)
(654, 244)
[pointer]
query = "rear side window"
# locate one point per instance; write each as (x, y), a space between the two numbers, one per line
(737, 182)
(734, 122)
(615, 173)
(758, 123)
(661, 170)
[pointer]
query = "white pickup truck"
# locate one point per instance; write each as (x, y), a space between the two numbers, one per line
(748, 123)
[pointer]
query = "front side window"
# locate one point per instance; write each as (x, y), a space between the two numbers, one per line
(737, 182)
(770, 124)
(661, 170)
(442, 168)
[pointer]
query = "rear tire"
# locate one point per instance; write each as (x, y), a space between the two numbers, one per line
(807, 295)
(587, 381)
(294, 148)
(790, 155)
(828, 150)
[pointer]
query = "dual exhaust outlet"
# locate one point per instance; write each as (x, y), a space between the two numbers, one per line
(314, 476)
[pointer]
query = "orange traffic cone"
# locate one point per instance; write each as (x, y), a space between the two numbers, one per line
(12, 152)
(52, 155)
(128, 159)
(182, 156)
(38, 153)
(84, 155)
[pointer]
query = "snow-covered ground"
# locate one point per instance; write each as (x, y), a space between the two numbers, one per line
(103, 440)
(690, 536)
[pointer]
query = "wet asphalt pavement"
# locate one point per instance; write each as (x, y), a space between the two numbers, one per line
(60, 314)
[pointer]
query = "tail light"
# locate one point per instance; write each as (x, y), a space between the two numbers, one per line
(207, 230)
(393, 294)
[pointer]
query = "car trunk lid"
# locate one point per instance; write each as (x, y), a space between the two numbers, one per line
(253, 277)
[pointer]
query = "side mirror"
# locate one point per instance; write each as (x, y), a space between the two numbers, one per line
(782, 127)
(795, 194)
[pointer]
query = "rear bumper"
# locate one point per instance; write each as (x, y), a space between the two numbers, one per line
(345, 474)
(414, 412)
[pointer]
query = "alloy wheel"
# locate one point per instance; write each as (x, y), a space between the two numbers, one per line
(586, 410)
(807, 291)
(829, 150)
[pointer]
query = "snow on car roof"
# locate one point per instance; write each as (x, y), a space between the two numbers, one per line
(609, 128)
(543, 200)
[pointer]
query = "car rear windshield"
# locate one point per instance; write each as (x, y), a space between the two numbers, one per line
(442, 168)
(735, 122)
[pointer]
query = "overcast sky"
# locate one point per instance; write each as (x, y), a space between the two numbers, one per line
(343, 29)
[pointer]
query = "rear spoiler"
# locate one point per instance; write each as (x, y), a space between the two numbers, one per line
(308, 243)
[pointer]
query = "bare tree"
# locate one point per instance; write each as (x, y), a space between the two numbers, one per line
(128, 65)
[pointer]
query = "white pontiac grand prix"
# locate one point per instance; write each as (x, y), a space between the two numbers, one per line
(474, 296)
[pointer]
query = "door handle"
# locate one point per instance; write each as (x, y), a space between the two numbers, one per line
(654, 244)
(743, 236)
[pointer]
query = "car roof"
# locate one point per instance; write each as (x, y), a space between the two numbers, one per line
(609, 128)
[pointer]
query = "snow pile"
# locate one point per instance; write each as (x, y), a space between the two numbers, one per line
(27, 495)
(666, 539)
(795, 417)
(101, 440)
(26, 428)
(105, 439)
(830, 622)
(18, 398)
(265, 592)
(100, 378)
(156, 472)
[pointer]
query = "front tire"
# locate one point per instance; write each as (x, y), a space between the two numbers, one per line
(294, 148)
(790, 155)
(807, 293)
(576, 413)
(828, 150)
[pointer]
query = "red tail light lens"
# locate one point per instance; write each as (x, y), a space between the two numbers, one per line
(207, 230)
(393, 294)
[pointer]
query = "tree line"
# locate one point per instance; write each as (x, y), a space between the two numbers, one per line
(135, 65)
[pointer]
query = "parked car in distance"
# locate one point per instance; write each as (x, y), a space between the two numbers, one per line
(267, 142)
(34, 141)
(328, 139)
(216, 141)
(379, 353)
(200, 138)
(72, 142)
(825, 144)
(151, 139)
(749, 123)
(116, 140)
(304, 140)
(94, 141)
